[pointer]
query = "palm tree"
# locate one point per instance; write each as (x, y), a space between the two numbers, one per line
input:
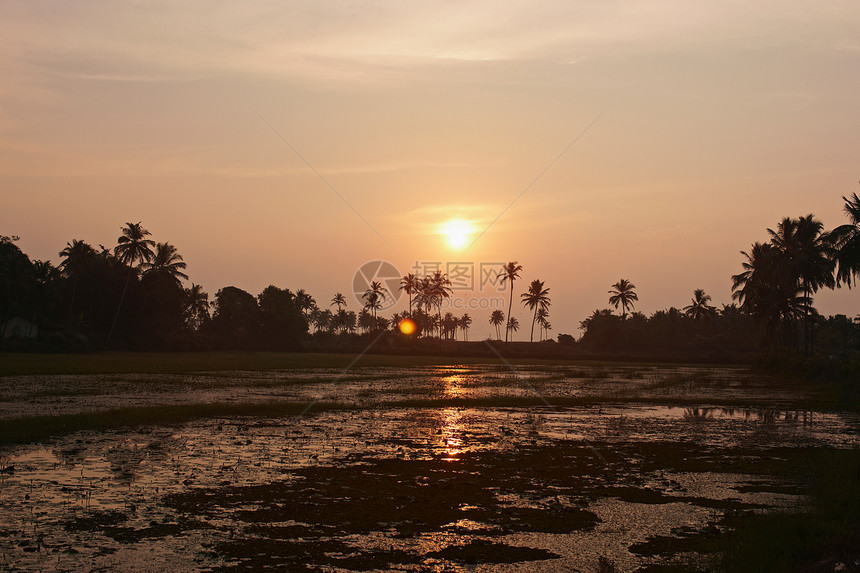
(323, 320)
(806, 255)
(535, 298)
(339, 300)
(465, 323)
(374, 295)
(349, 320)
(510, 274)
(547, 326)
(198, 305)
(132, 247)
(78, 256)
(622, 293)
(805, 251)
(767, 288)
(497, 318)
(366, 321)
(449, 325)
(513, 325)
(543, 322)
(166, 260)
(845, 240)
(747, 286)
(306, 303)
(437, 287)
(409, 284)
(700, 308)
(343, 321)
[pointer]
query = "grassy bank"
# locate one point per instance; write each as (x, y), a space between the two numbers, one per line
(185, 362)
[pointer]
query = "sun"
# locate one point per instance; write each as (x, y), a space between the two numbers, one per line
(457, 232)
(407, 326)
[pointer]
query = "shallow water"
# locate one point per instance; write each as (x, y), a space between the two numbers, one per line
(385, 487)
(58, 395)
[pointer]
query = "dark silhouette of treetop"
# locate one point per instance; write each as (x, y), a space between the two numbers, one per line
(133, 246)
(536, 298)
(699, 307)
(167, 261)
(845, 241)
(497, 318)
(623, 294)
(510, 274)
(339, 300)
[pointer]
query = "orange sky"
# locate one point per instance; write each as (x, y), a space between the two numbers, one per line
(716, 122)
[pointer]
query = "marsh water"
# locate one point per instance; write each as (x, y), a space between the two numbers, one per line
(454, 468)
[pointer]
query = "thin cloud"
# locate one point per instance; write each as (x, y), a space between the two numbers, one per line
(318, 40)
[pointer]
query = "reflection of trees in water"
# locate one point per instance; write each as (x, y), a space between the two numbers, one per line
(766, 415)
(698, 413)
(125, 459)
(73, 455)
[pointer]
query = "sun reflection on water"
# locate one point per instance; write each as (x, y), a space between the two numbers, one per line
(450, 434)
(453, 386)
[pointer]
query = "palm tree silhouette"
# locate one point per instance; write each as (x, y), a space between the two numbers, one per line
(438, 288)
(622, 293)
(306, 303)
(513, 326)
(374, 295)
(78, 256)
(535, 298)
(767, 288)
(497, 318)
(167, 261)
(699, 308)
(343, 321)
(339, 300)
(465, 323)
(449, 325)
(322, 319)
(366, 321)
(510, 274)
(806, 254)
(132, 247)
(845, 240)
(543, 322)
(198, 306)
(409, 284)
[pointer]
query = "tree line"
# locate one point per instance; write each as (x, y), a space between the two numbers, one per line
(132, 296)
(773, 294)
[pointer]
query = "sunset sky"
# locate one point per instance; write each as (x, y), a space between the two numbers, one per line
(288, 143)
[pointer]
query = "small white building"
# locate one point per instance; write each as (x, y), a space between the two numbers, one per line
(19, 328)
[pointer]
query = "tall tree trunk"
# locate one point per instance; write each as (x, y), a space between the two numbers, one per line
(510, 304)
(119, 306)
